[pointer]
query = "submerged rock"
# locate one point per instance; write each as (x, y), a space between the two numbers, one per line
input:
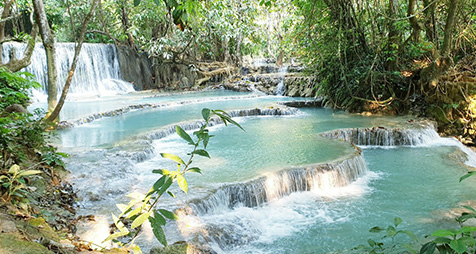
(182, 248)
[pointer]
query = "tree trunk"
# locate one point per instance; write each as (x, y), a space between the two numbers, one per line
(449, 28)
(54, 115)
(49, 44)
(392, 35)
(6, 12)
(14, 64)
(416, 28)
(430, 22)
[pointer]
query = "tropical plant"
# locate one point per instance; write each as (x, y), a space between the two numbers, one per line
(13, 187)
(143, 207)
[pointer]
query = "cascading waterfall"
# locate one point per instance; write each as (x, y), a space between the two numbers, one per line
(97, 73)
(381, 136)
(424, 134)
(277, 185)
(280, 88)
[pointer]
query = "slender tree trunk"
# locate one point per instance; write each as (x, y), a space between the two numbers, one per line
(416, 27)
(449, 28)
(430, 21)
(7, 4)
(49, 44)
(54, 115)
(392, 35)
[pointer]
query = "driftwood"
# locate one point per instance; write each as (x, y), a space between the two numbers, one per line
(214, 69)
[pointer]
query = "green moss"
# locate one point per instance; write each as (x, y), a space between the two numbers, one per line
(176, 248)
(38, 228)
(12, 244)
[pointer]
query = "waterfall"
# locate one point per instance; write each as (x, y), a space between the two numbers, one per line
(381, 136)
(424, 134)
(97, 72)
(276, 185)
(280, 88)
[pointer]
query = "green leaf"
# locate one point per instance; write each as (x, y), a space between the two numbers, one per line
(444, 232)
(397, 221)
(136, 2)
(466, 230)
(158, 231)
(184, 135)
(171, 194)
(157, 2)
(409, 233)
(376, 229)
(167, 183)
(194, 169)
(428, 248)
(161, 171)
(172, 157)
(458, 245)
(140, 219)
(159, 219)
(182, 183)
(391, 231)
(470, 208)
(442, 240)
(206, 114)
(201, 152)
(467, 175)
(168, 214)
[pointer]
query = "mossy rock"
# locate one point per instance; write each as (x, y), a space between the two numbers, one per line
(12, 244)
(180, 248)
(38, 228)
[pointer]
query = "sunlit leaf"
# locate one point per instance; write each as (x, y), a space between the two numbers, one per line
(172, 157)
(161, 171)
(195, 169)
(140, 219)
(134, 212)
(29, 172)
(444, 232)
(182, 183)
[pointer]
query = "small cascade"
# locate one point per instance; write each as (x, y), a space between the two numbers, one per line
(381, 136)
(192, 125)
(141, 147)
(280, 88)
(97, 73)
(120, 111)
(277, 185)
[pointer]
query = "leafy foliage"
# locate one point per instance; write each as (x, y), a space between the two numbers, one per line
(13, 187)
(15, 88)
(143, 207)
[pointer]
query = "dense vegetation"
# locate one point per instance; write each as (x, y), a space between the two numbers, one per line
(380, 56)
